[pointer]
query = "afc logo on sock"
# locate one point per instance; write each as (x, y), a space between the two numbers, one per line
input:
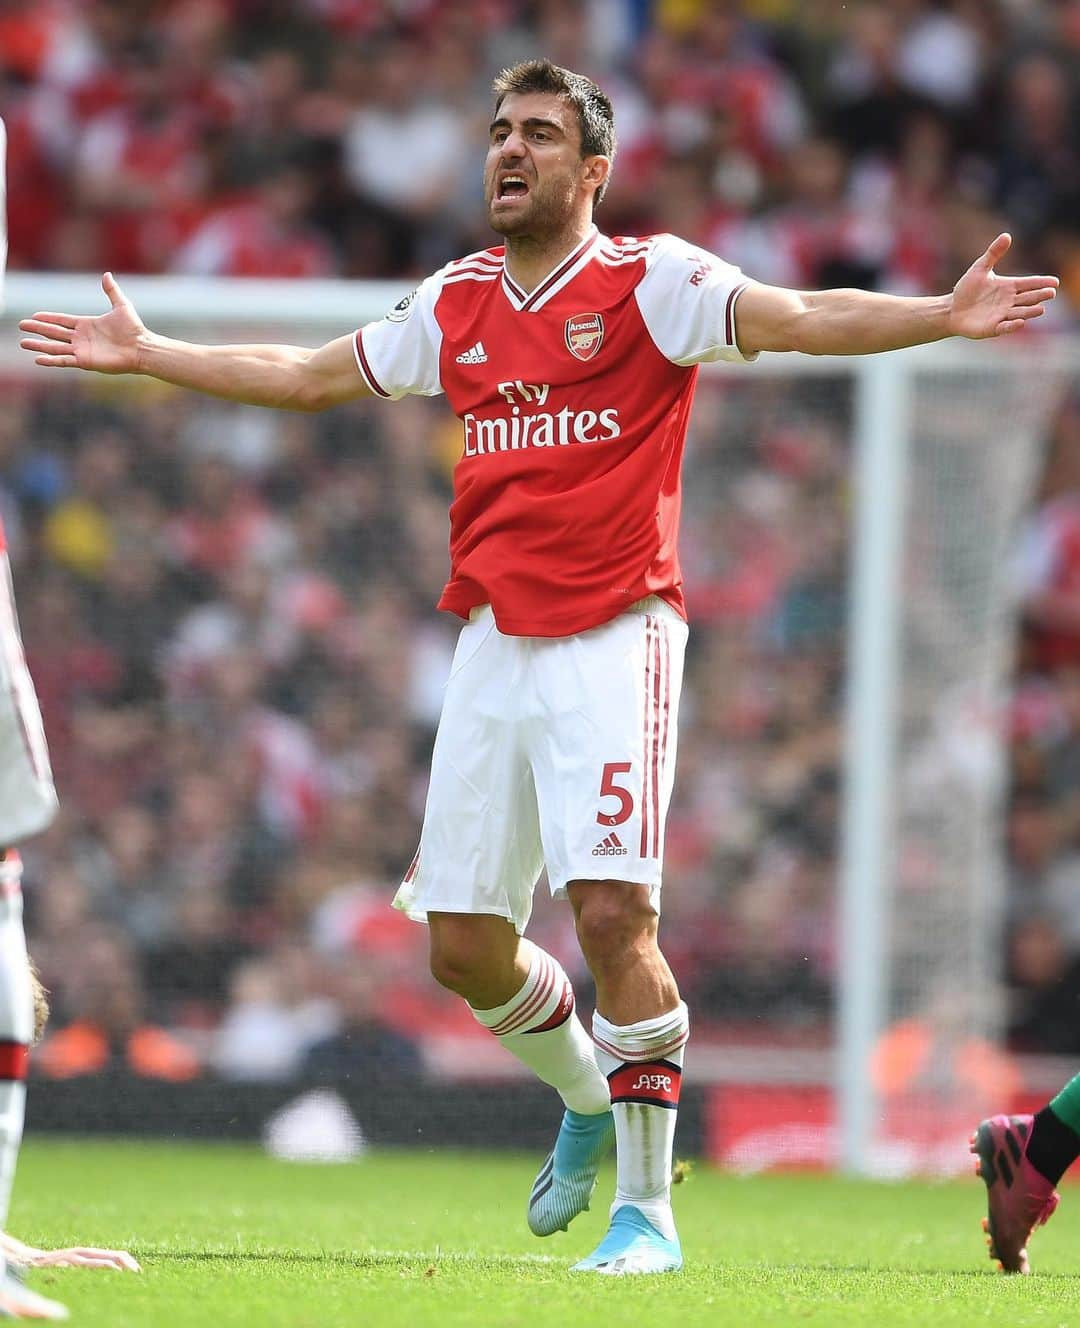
(652, 1083)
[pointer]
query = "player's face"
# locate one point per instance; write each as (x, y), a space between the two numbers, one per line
(534, 175)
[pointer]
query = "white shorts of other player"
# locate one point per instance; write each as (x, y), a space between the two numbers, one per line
(552, 751)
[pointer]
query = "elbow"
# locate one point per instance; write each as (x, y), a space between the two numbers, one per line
(308, 395)
(802, 333)
(304, 387)
(310, 402)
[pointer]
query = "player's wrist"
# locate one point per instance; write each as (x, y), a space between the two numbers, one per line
(147, 343)
(946, 313)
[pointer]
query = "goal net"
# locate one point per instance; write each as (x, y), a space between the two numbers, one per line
(229, 613)
(968, 436)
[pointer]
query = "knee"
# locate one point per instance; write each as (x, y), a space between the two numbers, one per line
(457, 959)
(476, 956)
(614, 922)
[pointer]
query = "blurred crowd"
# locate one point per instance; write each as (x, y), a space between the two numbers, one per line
(1043, 826)
(228, 612)
(815, 143)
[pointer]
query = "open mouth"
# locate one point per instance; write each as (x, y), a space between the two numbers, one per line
(511, 186)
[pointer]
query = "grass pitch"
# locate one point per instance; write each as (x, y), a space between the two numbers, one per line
(429, 1240)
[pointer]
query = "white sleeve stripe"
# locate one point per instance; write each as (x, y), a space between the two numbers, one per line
(469, 276)
(481, 257)
(729, 313)
(364, 367)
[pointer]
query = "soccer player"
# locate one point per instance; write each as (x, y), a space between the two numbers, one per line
(27, 805)
(1021, 1160)
(571, 360)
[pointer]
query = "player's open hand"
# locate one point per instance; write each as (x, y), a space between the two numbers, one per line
(108, 342)
(985, 304)
(85, 1256)
(78, 1256)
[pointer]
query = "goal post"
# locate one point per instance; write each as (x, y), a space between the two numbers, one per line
(882, 428)
(949, 447)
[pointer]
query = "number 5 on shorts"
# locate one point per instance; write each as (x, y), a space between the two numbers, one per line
(609, 789)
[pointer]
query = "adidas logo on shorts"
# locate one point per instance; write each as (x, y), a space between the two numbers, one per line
(474, 355)
(610, 848)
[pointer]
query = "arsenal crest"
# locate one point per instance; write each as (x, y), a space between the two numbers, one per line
(584, 335)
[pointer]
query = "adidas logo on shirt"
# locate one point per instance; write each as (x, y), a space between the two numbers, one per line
(474, 355)
(611, 847)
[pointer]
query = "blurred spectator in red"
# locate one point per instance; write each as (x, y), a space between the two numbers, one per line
(1049, 565)
(142, 166)
(268, 236)
(68, 661)
(223, 523)
(819, 237)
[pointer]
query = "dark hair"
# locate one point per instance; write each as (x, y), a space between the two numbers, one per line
(596, 119)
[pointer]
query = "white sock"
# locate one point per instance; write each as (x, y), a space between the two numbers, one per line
(538, 1026)
(16, 1022)
(643, 1064)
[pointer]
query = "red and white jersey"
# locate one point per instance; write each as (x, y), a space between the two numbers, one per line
(575, 399)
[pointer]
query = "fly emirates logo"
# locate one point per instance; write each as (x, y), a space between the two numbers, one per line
(527, 424)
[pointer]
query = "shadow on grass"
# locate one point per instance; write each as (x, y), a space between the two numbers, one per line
(428, 1262)
(390, 1259)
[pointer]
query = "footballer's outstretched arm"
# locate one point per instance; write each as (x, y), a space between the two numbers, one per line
(118, 342)
(854, 322)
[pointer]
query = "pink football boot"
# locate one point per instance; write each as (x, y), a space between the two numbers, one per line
(1019, 1198)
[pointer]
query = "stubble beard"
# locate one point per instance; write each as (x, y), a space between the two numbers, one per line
(548, 214)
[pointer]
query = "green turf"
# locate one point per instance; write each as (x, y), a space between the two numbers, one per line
(430, 1240)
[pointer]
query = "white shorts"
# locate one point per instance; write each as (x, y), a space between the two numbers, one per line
(27, 796)
(552, 751)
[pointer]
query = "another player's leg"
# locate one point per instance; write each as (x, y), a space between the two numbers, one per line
(16, 1021)
(1021, 1160)
(27, 804)
(640, 1029)
(524, 998)
(16, 1034)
